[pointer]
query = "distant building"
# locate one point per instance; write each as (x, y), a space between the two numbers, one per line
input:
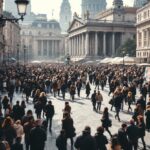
(143, 34)
(103, 35)
(139, 3)
(65, 15)
(93, 7)
(43, 40)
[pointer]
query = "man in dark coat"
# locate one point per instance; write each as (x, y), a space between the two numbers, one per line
(142, 102)
(49, 111)
(61, 141)
(133, 135)
(85, 141)
(93, 98)
(17, 111)
(37, 137)
(122, 137)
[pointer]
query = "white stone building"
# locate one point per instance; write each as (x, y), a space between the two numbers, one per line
(103, 35)
(43, 40)
(143, 34)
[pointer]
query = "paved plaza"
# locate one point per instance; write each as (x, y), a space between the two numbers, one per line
(82, 114)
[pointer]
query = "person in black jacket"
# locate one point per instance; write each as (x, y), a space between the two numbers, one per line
(17, 145)
(147, 114)
(93, 99)
(61, 141)
(49, 111)
(117, 104)
(17, 111)
(142, 102)
(85, 141)
(133, 135)
(142, 128)
(37, 137)
(67, 125)
(101, 140)
(122, 137)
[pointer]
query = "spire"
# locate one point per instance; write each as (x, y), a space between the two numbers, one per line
(118, 3)
(65, 15)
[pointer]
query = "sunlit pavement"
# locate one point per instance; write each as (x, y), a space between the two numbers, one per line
(82, 114)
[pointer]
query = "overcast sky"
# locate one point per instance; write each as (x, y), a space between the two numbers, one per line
(46, 6)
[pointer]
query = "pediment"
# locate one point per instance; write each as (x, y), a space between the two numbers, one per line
(76, 24)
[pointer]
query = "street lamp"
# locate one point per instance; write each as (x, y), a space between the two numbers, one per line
(21, 7)
(24, 51)
(18, 55)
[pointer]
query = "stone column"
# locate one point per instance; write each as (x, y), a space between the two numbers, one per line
(83, 45)
(104, 43)
(42, 48)
(77, 50)
(87, 44)
(96, 44)
(113, 44)
(52, 48)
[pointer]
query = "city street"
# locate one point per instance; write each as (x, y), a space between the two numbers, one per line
(82, 114)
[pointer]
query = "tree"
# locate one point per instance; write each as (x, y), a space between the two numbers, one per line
(129, 47)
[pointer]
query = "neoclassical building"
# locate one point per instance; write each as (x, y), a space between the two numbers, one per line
(42, 40)
(93, 7)
(103, 35)
(143, 34)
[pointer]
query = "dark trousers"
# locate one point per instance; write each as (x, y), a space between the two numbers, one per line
(49, 120)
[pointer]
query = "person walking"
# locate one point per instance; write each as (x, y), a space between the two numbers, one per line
(147, 114)
(133, 135)
(99, 99)
(49, 112)
(101, 139)
(61, 141)
(88, 89)
(67, 125)
(85, 141)
(106, 122)
(122, 137)
(142, 128)
(93, 99)
(37, 137)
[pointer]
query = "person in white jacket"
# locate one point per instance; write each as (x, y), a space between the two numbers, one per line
(19, 128)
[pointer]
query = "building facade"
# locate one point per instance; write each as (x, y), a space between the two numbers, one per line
(43, 40)
(93, 7)
(1, 33)
(139, 3)
(65, 15)
(143, 34)
(102, 36)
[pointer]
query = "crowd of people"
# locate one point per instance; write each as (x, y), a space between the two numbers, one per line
(36, 82)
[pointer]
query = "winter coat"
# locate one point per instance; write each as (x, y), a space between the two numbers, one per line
(5, 103)
(101, 141)
(85, 142)
(17, 112)
(61, 142)
(142, 128)
(147, 114)
(133, 133)
(99, 98)
(122, 138)
(37, 138)
(9, 133)
(67, 125)
(118, 101)
(17, 146)
(49, 110)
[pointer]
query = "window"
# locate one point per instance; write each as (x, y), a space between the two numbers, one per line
(139, 39)
(145, 38)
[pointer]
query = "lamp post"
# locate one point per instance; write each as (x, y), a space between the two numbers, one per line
(18, 55)
(24, 54)
(123, 56)
(21, 7)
